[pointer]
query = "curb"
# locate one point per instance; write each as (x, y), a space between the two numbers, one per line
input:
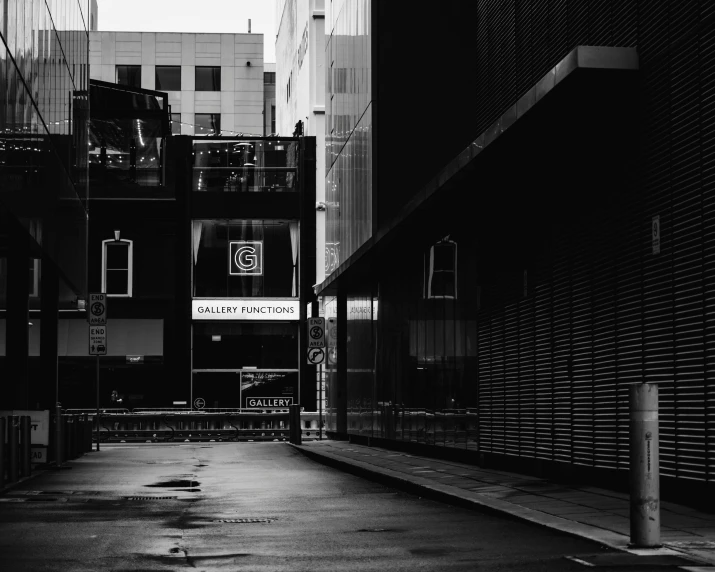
(475, 501)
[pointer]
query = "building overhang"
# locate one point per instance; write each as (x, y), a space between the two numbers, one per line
(570, 90)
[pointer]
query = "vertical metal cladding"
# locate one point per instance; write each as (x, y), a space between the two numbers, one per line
(553, 366)
(546, 367)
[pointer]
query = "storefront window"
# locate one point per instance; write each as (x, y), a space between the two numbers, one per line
(245, 258)
(235, 345)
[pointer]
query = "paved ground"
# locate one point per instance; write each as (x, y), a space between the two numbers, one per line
(589, 512)
(261, 506)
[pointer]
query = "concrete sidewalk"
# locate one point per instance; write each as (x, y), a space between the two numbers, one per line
(588, 512)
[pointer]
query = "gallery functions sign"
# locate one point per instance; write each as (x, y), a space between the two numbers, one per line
(262, 309)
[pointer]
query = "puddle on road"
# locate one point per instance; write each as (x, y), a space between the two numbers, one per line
(175, 483)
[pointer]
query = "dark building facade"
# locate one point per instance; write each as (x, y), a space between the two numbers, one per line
(44, 109)
(500, 298)
(197, 243)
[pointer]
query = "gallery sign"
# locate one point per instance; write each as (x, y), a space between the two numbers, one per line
(259, 309)
(272, 402)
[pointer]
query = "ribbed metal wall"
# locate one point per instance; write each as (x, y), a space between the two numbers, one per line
(554, 366)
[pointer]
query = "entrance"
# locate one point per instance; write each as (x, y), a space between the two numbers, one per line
(245, 388)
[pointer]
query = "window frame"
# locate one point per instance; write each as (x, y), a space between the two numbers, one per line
(431, 271)
(130, 266)
(196, 78)
(216, 133)
(172, 121)
(116, 74)
(156, 77)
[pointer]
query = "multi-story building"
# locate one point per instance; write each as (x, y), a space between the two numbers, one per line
(519, 213)
(44, 75)
(300, 89)
(196, 242)
(215, 82)
(269, 99)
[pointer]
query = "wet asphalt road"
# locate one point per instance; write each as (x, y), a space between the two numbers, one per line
(251, 506)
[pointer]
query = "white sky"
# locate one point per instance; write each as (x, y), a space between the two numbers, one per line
(216, 16)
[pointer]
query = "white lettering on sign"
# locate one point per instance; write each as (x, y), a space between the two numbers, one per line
(97, 315)
(98, 340)
(245, 309)
(269, 401)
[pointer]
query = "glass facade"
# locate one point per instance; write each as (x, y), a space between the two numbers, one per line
(245, 166)
(43, 125)
(412, 353)
(127, 147)
(348, 136)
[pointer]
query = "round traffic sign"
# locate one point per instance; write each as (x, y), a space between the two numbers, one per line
(316, 355)
(199, 403)
(316, 332)
(98, 308)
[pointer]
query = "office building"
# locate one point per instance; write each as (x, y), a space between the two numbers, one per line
(518, 216)
(44, 75)
(300, 90)
(215, 82)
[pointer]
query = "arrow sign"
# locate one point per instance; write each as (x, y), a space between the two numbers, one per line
(316, 356)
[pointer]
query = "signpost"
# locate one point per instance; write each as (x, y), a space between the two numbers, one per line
(97, 318)
(316, 356)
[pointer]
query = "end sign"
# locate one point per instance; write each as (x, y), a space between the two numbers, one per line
(97, 309)
(316, 332)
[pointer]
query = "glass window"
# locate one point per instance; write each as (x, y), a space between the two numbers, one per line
(267, 251)
(269, 77)
(176, 123)
(207, 124)
(442, 270)
(168, 78)
(129, 75)
(208, 78)
(117, 267)
(34, 277)
(273, 118)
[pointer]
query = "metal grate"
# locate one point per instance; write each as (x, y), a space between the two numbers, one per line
(148, 498)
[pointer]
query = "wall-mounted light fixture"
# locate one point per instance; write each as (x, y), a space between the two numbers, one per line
(321, 206)
(216, 338)
(117, 234)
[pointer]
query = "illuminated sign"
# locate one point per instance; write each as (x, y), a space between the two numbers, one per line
(263, 309)
(245, 258)
(269, 401)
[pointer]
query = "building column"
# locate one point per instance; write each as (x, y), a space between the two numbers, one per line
(47, 394)
(342, 377)
(18, 313)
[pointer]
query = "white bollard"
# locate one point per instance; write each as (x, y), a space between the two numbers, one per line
(645, 467)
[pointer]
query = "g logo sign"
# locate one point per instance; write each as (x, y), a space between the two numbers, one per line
(245, 258)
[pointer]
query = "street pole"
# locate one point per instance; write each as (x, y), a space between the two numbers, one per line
(97, 402)
(645, 467)
(320, 402)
